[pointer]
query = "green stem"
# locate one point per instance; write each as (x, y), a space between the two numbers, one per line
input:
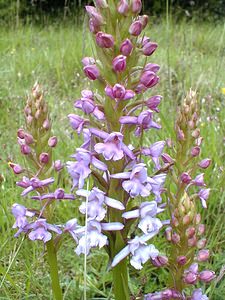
(120, 281)
(52, 260)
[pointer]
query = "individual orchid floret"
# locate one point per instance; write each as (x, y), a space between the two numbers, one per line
(118, 92)
(88, 106)
(139, 249)
(205, 163)
(95, 15)
(17, 169)
(199, 180)
(149, 48)
(119, 63)
(94, 204)
(155, 151)
(72, 228)
(32, 184)
(136, 181)
(104, 40)
(113, 146)
(92, 72)
(198, 295)
(136, 28)
(157, 186)
(126, 47)
(203, 194)
(59, 194)
(149, 79)
(168, 294)
(21, 213)
(153, 103)
(77, 123)
(40, 230)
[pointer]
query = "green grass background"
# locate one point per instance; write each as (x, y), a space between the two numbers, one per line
(190, 55)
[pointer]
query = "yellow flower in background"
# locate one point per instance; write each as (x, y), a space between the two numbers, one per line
(223, 90)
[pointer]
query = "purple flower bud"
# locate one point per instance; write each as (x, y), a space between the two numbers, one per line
(181, 260)
(77, 123)
(87, 94)
(195, 151)
(118, 92)
(203, 255)
(119, 63)
(168, 233)
(190, 278)
(153, 68)
(28, 138)
(94, 26)
(167, 158)
(101, 3)
(91, 71)
(159, 261)
(17, 169)
(88, 61)
(192, 242)
(185, 178)
(126, 47)
(207, 276)
(201, 229)
(144, 21)
(25, 149)
(58, 165)
(52, 142)
(123, 7)
(205, 163)
(175, 238)
(199, 180)
(46, 124)
(135, 28)
(21, 133)
(104, 40)
(149, 48)
(94, 15)
(44, 158)
(201, 243)
(180, 134)
(149, 79)
(153, 102)
(136, 6)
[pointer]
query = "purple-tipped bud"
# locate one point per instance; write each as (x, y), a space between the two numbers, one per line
(149, 48)
(101, 3)
(181, 260)
(17, 169)
(46, 124)
(91, 71)
(149, 79)
(52, 142)
(207, 276)
(28, 138)
(190, 278)
(44, 158)
(205, 163)
(136, 6)
(185, 178)
(21, 133)
(88, 61)
(25, 149)
(136, 28)
(104, 40)
(201, 243)
(175, 238)
(123, 7)
(159, 261)
(119, 63)
(195, 151)
(58, 165)
(126, 47)
(167, 159)
(203, 255)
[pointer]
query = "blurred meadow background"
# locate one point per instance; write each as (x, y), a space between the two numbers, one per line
(44, 41)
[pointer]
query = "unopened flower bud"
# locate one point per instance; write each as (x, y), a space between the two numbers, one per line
(195, 151)
(196, 133)
(104, 40)
(28, 138)
(91, 71)
(37, 114)
(186, 220)
(44, 158)
(20, 133)
(190, 232)
(207, 276)
(185, 178)
(201, 243)
(46, 124)
(29, 119)
(180, 135)
(136, 6)
(149, 48)
(123, 7)
(192, 241)
(101, 3)
(149, 79)
(126, 47)
(175, 238)
(135, 28)
(144, 21)
(197, 218)
(58, 165)
(168, 233)
(25, 149)
(88, 61)
(17, 169)
(205, 163)
(190, 278)
(159, 261)
(198, 141)
(203, 255)
(181, 260)
(119, 63)
(201, 229)
(52, 142)
(167, 158)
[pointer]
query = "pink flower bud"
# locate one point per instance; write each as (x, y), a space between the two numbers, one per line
(153, 68)
(180, 134)
(205, 163)
(123, 7)
(101, 3)
(201, 243)
(58, 165)
(91, 71)
(190, 232)
(190, 278)
(149, 79)
(149, 48)
(168, 233)
(144, 21)
(93, 26)
(46, 124)
(185, 178)
(159, 261)
(192, 241)
(203, 255)
(196, 133)
(175, 238)
(104, 40)
(17, 169)
(88, 61)
(25, 149)
(20, 133)
(52, 142)
(167, 158)
(28, 138)
(207, 276)
(136, 6)
(136, 28)
(181, 260)
(119, 63)
(186, 220)
(95, 15)
(44, 158)
(126, 47)
(201, 229)
(195, 151)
